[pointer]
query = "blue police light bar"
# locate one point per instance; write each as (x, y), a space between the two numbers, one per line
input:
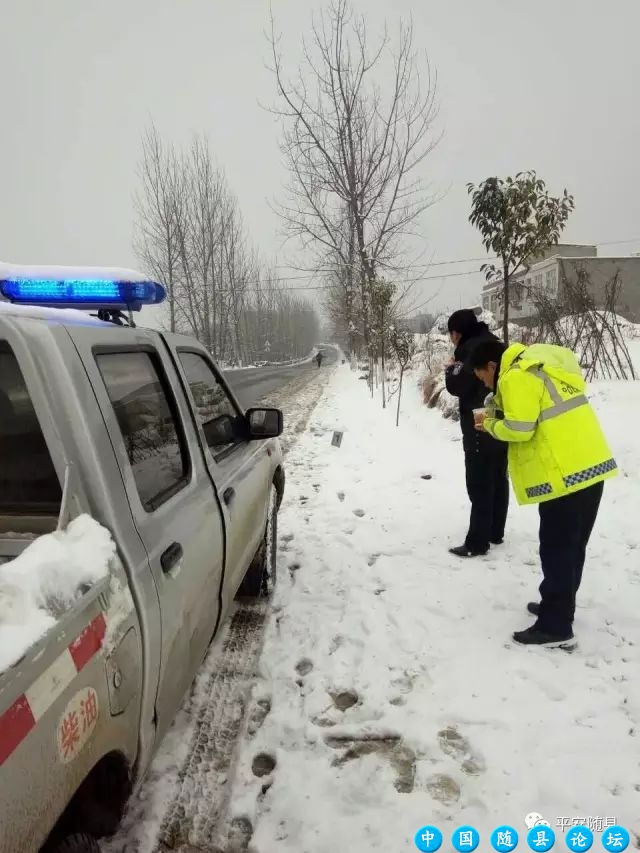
(83, 293)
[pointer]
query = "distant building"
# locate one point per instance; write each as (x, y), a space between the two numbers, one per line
(563, 262)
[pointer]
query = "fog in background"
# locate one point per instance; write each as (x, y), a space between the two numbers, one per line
(546, 85)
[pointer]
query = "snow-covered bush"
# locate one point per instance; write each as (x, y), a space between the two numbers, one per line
(436, 396)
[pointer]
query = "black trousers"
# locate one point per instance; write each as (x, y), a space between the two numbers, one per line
(488, 489)
(565, 527)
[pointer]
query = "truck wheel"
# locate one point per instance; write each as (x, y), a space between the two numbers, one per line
(78, 843)
(260, 580)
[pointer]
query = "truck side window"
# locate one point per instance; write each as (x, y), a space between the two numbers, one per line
(149, 423)
(29, 484)
(209, 396)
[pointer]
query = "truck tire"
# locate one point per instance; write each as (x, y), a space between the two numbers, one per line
(78, 843)
(260, 579)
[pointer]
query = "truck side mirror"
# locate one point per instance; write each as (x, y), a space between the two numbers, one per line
(220, 431)
(264, 423)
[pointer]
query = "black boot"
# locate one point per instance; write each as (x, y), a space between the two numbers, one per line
(463, 551)
(534, 636)
(534, 608)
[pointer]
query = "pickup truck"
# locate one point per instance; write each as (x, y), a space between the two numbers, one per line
(137, 431)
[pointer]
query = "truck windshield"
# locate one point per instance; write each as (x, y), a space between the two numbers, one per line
(29, 484)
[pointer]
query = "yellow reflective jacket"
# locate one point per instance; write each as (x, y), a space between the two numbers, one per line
(556, 445)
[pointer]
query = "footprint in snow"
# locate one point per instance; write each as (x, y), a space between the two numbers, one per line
(341, 496)
(304, 666)
(345, 699)
(293, 568)
(340, 701)
(443, 788)
(404, 685)
(455, 745)
(401, 758)
(359, 512)
(239, 835)
(263, 764)
(258, 715)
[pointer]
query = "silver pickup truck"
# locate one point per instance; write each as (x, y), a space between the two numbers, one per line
(138, 430)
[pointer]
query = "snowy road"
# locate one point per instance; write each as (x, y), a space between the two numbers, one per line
(257, 384)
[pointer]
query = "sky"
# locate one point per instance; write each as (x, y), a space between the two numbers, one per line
(550, 86)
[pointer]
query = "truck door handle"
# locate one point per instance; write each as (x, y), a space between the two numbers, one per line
(228, 495)
(171, 557)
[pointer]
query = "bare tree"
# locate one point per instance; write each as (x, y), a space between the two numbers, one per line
(191, 236)
(159, 206)
(404, 347)
(592, 330)
(353, 150)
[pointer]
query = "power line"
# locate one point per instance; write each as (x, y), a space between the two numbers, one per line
(314, 287)
(408, 267)
(310, 288)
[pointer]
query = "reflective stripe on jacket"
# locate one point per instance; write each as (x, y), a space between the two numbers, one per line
(556, 445)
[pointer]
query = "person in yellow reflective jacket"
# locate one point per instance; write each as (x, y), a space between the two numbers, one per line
(558, 458)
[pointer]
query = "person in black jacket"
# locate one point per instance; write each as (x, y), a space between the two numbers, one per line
(485, 460)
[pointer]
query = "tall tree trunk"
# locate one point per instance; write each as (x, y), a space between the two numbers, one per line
(399, 396)
(384, 398)
(505, 302)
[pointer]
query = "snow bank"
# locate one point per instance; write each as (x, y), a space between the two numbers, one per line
(292, 363)
(47, 578)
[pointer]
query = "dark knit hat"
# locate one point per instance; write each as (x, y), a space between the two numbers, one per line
(463, 321)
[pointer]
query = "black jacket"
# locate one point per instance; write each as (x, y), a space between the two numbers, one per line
(462, 382)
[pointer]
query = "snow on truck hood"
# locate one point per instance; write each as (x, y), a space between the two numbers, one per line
(47, 578)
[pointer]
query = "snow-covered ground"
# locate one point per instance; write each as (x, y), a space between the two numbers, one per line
(389, 692)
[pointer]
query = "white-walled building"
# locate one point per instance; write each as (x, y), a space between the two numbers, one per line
(563, 262)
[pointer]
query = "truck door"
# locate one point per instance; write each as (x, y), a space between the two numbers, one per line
(172, 499)
(242, 470)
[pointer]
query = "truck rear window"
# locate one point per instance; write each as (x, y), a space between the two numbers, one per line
(29, 484)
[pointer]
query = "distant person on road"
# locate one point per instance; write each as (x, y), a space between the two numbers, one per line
(319, 359)
(485, 460)
(558, 458)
